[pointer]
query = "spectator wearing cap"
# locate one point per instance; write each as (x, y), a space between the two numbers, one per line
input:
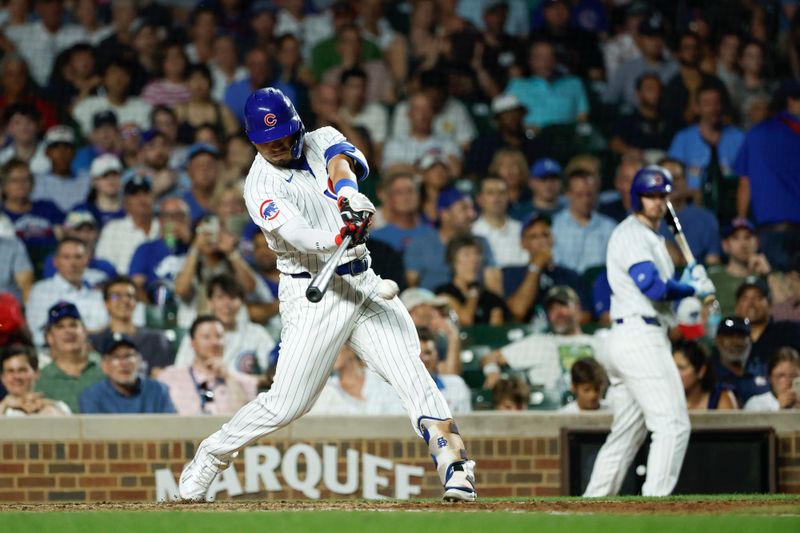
(16, 270)
(60, 185)
(36, 222)
(472, 302)
(620, 207)
(577, 49)
(709, 147)
(550, 96)
(120, 238)
(124, 391)
(646, 127)
(700, 226)
(547, 357)
(18, 88)
(105, 198)
(545, 182)
(582, 232)
(420, 138)
(116, 84)
(157, 151)
(83, 226)
(208, 386)
(699, 380)
(654, 58)
(588, 385)
(740, 244)
(48, 28)
(74, 365)
(753, 302)
(357, 110)
(768, 179)
(400, 207)
(500, 231)
(431, 312)
(450, 118)
(120, 298)
(202, 166)
(525, 286)
(21, 122)
(784, 370)
(68, 284)
(19, 370)
(735, 366)
(425, 261)
(247, 345)
(508, 115)
(452, 386)
(103, 139)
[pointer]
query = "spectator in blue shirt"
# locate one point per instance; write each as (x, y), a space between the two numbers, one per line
(425, 262)
(550, 97)
(581, 232)
(769, 166)
(124, 391)
(707, 142)
(35, 221)
(699, 224)
(400, 209)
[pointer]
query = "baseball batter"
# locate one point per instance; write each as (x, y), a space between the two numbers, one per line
(646, 391)
(302, 191)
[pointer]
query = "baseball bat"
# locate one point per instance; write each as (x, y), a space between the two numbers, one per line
(319, 283)
(674, 226)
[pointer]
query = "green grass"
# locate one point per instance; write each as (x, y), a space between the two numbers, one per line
(406, 522)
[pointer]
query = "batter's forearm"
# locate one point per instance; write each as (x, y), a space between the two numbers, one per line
(306, 239)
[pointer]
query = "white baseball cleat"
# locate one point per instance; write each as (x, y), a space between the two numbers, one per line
(460, 485)
(197, 477)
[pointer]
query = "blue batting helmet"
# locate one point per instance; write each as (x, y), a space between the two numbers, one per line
(269, 115)
(651, 179)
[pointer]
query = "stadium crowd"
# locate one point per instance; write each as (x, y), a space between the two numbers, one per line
(502, 138)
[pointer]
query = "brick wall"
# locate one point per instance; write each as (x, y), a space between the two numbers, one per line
(91, 465)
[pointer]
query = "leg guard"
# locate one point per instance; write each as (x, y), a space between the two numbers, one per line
(450, 458)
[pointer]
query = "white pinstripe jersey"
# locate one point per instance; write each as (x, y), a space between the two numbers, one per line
(274, 195)
(632, 242)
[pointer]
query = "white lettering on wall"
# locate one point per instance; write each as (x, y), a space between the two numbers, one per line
(307, 486)
(260, 463)
(372, 480)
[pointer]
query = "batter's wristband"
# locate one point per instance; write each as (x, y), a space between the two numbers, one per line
(346, 182)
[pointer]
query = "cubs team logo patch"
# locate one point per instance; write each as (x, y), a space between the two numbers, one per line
(270, 119)
(269, 210)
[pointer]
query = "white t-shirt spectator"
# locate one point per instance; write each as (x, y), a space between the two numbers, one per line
(133, 110)
(505, 241)
(453, 122)
(763, 402)
(374, 118)
(119, 240)
(39, 47)
(455, 392)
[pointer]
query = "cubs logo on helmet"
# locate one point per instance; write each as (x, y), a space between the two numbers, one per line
(651, 179)
(269, 115)
(269, 210)
(270, 119)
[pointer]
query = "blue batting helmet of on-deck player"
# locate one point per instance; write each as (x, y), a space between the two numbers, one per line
(269, 115)
(651, 179)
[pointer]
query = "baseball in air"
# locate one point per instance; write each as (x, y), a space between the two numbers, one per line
(387, 289)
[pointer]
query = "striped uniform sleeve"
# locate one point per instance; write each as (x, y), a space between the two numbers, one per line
(269, 201)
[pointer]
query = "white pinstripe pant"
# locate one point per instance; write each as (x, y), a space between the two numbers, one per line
(646, 394)
(379, 331)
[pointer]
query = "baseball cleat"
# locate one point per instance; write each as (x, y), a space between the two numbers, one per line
(197, 477)
(460, 485)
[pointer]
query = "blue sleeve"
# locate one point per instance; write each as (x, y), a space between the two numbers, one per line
(488, 255)
(345, 148)
(139, 262)
(87, 402)
(166, 401)
(49, 269)
(645, 276)
(676, 148)
(741, 166)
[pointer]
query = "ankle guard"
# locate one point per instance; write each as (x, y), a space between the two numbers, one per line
(445, 445)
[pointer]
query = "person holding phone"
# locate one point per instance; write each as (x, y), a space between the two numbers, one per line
(784, 381)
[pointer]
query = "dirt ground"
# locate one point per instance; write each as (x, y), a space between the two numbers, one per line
(729, 505)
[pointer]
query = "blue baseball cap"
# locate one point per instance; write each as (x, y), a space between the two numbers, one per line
(532, 219)
(201, 148)
(61, 310)
(546, 167)
(110, 341)
(737, 224)
(133, 182)
(448, 197)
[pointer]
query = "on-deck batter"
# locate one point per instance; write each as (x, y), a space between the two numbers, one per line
(301, 190)
(646, 391)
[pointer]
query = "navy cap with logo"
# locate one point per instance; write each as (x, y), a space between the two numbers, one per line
(734, 325)
(737, 224)
(111, 340)
(532, 219)
(134, 183)
(61, 310)
(201, 148)
(449, 197)
(753, 282)
(546, 168)
(652, 26)
(104, 118)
